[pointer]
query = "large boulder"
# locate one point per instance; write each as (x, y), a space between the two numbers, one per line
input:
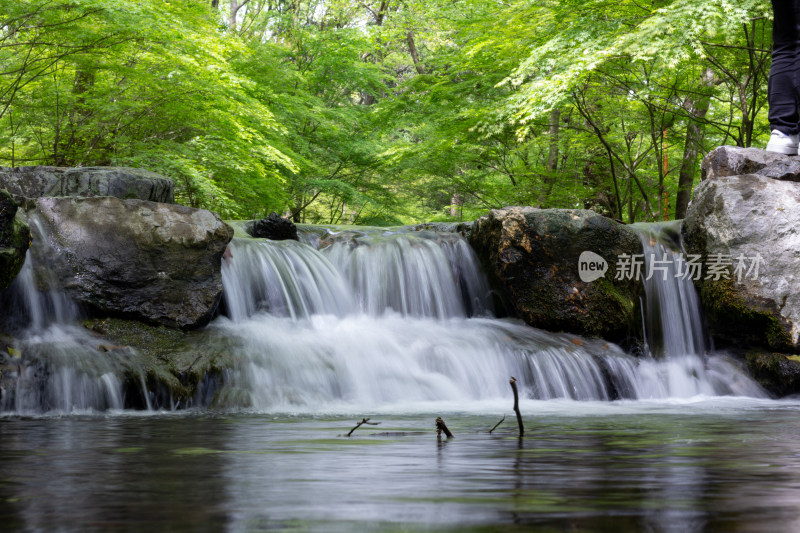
(14, 240)
(747, 226)
(120, 182)
(532, 257)
(154, 262)
(736, 161)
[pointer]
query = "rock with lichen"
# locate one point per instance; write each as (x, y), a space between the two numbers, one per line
(776, 372)
(749, 224)
(120, 182)
(532, 258)
(154, 262)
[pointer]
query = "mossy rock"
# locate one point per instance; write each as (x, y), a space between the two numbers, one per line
(180, 368)
(752, 222)
(532, 259)
(15, 238)
(739, 321)
(776, 372)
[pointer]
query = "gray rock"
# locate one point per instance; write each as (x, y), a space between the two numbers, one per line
(462, 228)
(14, 240)
(273, 227)
(147, 261)
(778, 373)
(120, 182)
(735, 161)
(749, 217)
(531, 256)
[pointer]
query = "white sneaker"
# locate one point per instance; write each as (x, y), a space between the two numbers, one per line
(781, 143)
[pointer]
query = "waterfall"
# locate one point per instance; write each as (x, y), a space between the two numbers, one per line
(370, 318)
(53, 365)
(680, 363)
(373, 272)
(283, 278)
(406, 318)
(27, 306)
(673, 321)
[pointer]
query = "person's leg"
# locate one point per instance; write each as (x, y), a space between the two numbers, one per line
(783, 75)
(782, 90)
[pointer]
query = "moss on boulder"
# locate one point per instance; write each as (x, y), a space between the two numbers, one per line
(180, 368)
(532, 258)
(776, 372)
(15, 237)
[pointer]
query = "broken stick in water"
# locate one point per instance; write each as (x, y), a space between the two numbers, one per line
(363, 421)
(440, 426)
(513, 382)
(496, 425)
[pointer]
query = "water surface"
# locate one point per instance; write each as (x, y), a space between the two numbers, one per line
(704, 464)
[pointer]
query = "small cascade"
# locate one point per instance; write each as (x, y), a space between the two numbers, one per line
(680, 364)
(410, 338)
(374, 272)
(360, 360)
(673, 319)
(28, 307)
(53, 365)
(422, 274)
(57, 371)
(284, 278)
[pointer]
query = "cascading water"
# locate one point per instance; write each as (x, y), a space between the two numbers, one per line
(680, 362)
(673, 322)
(53, 365)
(372, 318)
(396, 318)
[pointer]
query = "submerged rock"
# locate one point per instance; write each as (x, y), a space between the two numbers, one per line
(748, 227)
(14, 240)
(532, 257)
(148, 261)
(778, 373)
(120, 182)
(274, 227)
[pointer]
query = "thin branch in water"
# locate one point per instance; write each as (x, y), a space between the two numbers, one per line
(363, 421)
(513, 383)
(442, 427)
(498, 424)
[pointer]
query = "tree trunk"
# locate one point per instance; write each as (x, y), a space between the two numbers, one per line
(455, 204)
(694, 143)
(379, 16)
(552, 156)
(235, 7)
(412, 47)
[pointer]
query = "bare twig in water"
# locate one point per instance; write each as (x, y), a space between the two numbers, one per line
(441, 426)
(363, 421)
(513, 382)
(496, 425)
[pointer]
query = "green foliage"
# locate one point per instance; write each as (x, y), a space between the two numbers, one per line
(388, 111)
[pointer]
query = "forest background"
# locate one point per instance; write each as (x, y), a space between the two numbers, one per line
(393, 111)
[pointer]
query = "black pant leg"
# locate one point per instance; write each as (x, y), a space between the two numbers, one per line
(784, 73)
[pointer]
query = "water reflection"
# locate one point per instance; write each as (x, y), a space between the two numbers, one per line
(707, 469)
(94, 475)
